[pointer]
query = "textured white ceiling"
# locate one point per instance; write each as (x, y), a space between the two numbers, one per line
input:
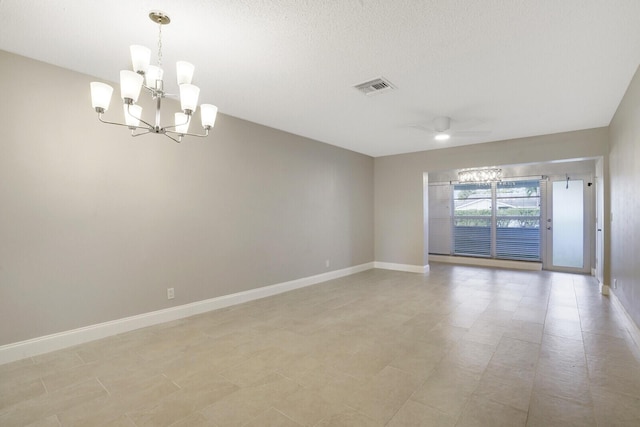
(515, 67)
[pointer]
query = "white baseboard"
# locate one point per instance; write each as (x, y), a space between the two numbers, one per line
(631, 326)
(48, 343)
(487, 262)
(402, 267)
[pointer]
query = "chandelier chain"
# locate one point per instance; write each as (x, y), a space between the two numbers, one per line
(160, 45)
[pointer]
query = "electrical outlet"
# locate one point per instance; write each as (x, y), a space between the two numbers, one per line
(170, 293)
(615, 283)
(327, 263)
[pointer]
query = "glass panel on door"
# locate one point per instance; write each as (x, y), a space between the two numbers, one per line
(568, 224)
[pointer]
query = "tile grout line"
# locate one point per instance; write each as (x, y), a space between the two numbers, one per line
(44, 385)
(103, 386)
(592, 407)
(546, 311)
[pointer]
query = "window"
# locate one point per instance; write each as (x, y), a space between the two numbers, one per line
(500, 220)
(472, 219)
(518, 220)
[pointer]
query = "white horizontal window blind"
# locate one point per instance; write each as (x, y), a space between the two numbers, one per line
(518, 220)
(499, 220)
(472, 219)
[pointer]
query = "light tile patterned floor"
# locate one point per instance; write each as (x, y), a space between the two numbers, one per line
(460, 346)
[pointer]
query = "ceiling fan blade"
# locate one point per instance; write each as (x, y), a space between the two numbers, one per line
(467, 123)
(470, 133)
(422, 127)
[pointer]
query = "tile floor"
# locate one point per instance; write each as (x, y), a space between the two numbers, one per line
(460, 346)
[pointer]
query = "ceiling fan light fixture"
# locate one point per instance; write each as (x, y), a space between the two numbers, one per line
(442, 137)
(442, 124)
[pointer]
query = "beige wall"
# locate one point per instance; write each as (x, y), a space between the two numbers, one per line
(399, 204)
(96, 225)
(624, 169)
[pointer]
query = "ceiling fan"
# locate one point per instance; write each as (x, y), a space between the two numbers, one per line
(443, 128)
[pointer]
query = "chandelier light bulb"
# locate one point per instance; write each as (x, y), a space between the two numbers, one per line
(189, 97)
(140, 58)
(101, 96)
(130, 85)
(184, 71)
(208, 113)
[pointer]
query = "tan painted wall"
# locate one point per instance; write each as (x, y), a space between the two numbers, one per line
(96, 225)
(625, 203)
(399, 204)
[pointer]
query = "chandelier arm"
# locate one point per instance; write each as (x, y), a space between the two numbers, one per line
(188, 134)
(172, 138)
(149, 125)
(147, 131)
(167, 128)
(110, 123)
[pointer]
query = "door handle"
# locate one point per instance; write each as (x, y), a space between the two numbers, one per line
(549, 228)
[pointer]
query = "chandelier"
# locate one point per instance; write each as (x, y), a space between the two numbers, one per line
(149, 77)
(480, 175)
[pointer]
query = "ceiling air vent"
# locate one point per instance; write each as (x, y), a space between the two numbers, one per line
(375, 86)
